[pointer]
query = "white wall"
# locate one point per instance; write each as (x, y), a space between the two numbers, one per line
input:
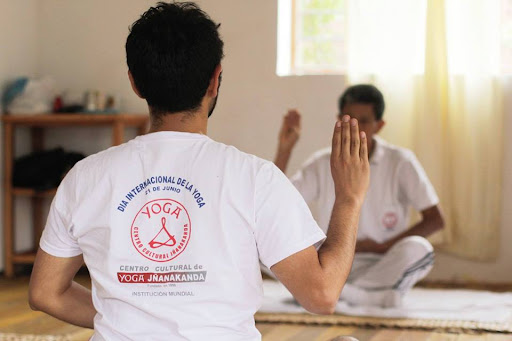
(82, 46)
(84, 49)
(18, 57)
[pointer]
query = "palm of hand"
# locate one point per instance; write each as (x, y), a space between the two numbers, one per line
(290, 129)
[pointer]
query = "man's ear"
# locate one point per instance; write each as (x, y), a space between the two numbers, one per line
(134, 87)
(380, 125)
(214, 82)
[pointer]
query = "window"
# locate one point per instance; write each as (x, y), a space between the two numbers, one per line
(389, 37)
(310, 37)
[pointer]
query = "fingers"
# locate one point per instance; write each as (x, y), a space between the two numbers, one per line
(363, 151)
(354, 135)
(293, 113)
(336, 140)
(345, 136)
(295, 119)
(348, 140)
(292, 118)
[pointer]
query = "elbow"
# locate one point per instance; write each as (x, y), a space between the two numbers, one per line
(433, 217)
(440, 223)
(323, 302)
(327, 309)
(36, 300)
(322, 308)
(33, 304)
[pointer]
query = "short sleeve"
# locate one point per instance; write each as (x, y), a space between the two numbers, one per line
(57, 239)
(306, 181)
(415, 185)
(284, 224)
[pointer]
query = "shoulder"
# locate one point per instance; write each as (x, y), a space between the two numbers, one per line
(322, 154)
(401, 161)
(248, 169)
(102, 160)
(236, 157)
(395, 154)
(319, 157)
(85, 174)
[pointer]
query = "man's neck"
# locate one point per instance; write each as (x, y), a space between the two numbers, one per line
(185, 122)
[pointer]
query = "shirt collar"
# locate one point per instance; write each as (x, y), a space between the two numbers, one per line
(378, 150)
(161, 135)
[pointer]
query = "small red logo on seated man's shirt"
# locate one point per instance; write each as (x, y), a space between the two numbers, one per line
(161, 230)
(390, 219)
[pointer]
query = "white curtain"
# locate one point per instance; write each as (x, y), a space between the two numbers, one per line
(437, 63)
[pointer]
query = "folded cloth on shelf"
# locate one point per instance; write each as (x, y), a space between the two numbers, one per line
(42, 170)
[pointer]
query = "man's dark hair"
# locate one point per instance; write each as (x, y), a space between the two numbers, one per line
(366, 94)
(172, 51)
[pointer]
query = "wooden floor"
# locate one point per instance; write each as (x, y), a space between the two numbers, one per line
(16, 317)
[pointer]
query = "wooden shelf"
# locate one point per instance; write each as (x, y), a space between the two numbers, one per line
(63, 119)
(29, 192)
(27, 257)
(36, 124)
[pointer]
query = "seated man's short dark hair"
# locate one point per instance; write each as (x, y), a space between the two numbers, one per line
(365, 94)
(172, 51)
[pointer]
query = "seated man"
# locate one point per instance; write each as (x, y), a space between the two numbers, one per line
(172, 224)
(390, 256)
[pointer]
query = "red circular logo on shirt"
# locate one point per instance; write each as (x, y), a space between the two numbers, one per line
(161, 230)
(390, 219)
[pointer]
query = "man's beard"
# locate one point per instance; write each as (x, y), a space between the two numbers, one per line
(214, 102)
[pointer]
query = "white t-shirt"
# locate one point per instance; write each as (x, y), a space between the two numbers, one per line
(172, 227)
(397, 182)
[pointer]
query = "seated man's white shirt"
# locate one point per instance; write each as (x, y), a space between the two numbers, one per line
(172, 227)
(397, 182)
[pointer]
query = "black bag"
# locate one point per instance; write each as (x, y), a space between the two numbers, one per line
(43, 170)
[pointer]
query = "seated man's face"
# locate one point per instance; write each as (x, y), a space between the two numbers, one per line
(365, 115)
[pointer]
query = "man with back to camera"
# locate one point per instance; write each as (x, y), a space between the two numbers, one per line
(172, 224)
(390, 256)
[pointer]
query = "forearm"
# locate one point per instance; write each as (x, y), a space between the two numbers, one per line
(282, 158)
(316, 278)
(337, 252)
(74, 306)
(423, 228)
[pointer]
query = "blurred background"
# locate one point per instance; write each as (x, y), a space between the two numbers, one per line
(443, 66)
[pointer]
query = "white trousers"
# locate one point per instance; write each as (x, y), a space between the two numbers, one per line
(383, 280)
(406, 263)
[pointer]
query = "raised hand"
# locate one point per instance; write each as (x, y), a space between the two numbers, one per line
(349, 161)
(290, 130)
(310, 274)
